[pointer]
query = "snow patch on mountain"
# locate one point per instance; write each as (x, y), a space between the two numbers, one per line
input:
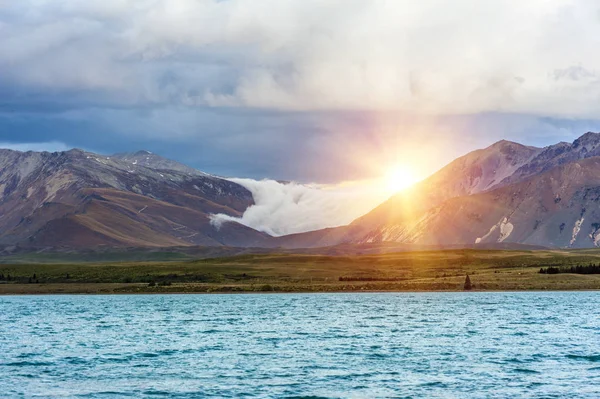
(576, 230)
(489, 233)
(505, 229)
(594, 235)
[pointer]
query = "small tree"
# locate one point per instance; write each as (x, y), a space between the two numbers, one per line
(468, 285)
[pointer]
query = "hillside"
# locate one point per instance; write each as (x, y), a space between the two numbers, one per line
(558, 208)
(80, 199)
(506, 193)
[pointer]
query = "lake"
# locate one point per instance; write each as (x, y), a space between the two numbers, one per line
(387, 345)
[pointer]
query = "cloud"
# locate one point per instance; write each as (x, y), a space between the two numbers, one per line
(287, 208)
(427, 56)
(306, 90)
(52, 146)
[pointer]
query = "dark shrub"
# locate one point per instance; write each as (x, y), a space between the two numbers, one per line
(468, 286)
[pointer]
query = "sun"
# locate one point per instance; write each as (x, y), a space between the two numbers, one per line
(399, 177)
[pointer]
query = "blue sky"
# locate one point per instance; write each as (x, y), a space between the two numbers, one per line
(314, 91)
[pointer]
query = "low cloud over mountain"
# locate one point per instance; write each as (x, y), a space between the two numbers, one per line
(282, 208)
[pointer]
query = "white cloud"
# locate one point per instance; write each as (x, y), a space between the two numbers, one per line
(52, 146)
(287, 208)
(429, 56)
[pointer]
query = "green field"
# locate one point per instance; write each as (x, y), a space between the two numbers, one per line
(404, 271)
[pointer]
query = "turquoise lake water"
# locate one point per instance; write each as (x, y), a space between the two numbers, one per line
(422, 345)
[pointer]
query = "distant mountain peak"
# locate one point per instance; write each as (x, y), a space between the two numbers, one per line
(74, 153)
(138, 153)
(503, 143)
(506, 145)
(590, 134)
(590, 138)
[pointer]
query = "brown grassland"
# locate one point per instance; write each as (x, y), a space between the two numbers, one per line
(443, 270)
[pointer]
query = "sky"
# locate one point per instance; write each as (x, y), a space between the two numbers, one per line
(324, 92)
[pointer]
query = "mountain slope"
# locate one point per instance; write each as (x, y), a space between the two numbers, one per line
(586, 146)
(81, 199)
(502, 195)
(156, 162)
(481, 189)
(475, 172)
(557, 208)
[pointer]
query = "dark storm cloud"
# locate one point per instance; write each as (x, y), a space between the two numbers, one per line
(301, 90)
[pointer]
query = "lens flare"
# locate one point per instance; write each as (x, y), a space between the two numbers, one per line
(399, 177)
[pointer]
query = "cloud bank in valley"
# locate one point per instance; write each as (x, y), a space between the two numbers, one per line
(287, 208)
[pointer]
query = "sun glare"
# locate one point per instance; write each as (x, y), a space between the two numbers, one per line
(399, 177)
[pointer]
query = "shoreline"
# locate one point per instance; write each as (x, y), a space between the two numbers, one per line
(119, 289)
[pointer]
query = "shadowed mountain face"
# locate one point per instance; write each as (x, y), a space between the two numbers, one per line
(506, 193)
(80, 199)
(586, 146)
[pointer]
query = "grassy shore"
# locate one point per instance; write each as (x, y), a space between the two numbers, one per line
(406, 271)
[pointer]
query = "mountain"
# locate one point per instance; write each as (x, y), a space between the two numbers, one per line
(80, 199)
(506, 193)
(586, 146)
(156, 162)
(558, 208)
(473, 173)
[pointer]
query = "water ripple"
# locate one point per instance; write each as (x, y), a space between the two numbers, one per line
(428, 345)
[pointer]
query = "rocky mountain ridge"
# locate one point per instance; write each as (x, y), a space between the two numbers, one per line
(506, 193)
(77, 198)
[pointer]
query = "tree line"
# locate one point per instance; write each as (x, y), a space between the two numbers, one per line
(592, 268)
